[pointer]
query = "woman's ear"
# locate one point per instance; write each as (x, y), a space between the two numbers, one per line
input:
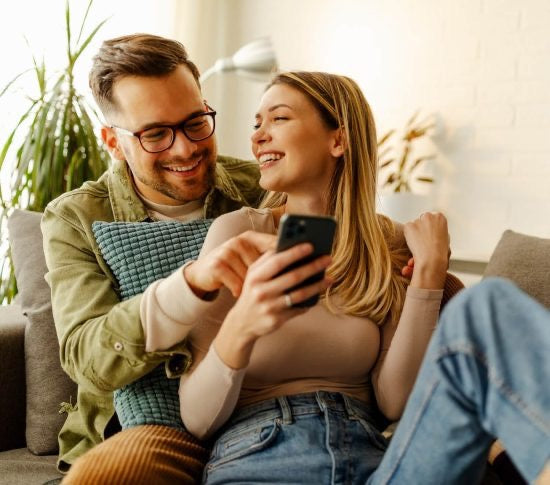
(338, 143)
(109, 137)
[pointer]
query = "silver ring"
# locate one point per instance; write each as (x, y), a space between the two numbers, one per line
(288, 300)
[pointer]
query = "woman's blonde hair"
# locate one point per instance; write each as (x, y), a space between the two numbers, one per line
(365, 270)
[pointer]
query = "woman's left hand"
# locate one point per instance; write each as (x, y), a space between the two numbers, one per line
(429, 242)
(265, 303)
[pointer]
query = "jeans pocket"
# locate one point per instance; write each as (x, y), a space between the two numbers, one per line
(375, 437)
(239, 444)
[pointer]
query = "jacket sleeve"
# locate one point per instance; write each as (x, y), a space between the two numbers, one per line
(101, 338)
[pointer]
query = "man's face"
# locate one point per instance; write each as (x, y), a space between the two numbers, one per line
(185, 171)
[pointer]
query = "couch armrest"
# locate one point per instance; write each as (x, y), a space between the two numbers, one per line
(12, 377)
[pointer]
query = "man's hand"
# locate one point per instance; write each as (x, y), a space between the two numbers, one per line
(228, 264)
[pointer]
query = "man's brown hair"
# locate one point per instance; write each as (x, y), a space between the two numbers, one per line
(134, 55)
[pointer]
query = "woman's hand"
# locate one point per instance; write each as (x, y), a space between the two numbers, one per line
(428, 239)
(265, 303)
(228, 264)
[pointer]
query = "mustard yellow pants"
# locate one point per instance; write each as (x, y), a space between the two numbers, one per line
(147, 454)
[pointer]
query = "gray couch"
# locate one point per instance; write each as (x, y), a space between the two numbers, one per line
(33, 385)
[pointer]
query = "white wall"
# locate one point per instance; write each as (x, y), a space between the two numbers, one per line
(481, 66)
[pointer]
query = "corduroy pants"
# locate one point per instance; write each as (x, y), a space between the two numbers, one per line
(149, 454)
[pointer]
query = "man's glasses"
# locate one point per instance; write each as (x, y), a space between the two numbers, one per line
(197, 127)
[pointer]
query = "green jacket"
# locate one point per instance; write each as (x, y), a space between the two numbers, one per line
(101, 339)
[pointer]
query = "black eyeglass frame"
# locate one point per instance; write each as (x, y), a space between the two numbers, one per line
(179, 126)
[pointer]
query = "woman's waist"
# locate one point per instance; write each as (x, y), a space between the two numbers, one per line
(360, 391)
(295, 405)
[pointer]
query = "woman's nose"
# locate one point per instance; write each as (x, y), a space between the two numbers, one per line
(260, 135)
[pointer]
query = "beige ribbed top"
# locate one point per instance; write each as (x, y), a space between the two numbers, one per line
(313, 351)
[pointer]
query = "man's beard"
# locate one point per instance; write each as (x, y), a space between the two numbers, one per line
(188, 190)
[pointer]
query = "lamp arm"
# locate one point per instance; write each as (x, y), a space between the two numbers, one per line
(225, 64)
(206, 74)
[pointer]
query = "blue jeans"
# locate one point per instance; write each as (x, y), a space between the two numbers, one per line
(486, 374)
(319, 438)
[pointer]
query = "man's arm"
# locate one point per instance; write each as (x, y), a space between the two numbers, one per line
(101, 338)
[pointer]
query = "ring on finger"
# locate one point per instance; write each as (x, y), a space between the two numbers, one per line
(288, 300)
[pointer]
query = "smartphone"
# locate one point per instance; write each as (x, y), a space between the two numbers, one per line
(317, 230)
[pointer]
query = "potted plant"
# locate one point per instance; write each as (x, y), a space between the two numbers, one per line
(400, 171)
(52, 147)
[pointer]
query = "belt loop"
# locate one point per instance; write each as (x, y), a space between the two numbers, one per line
(320, 398)
(285, 408)
(349, 407)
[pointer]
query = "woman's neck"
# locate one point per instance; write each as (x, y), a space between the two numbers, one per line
(300, 205)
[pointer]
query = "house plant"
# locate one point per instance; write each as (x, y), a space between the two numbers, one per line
(52, 147)
(399, 174)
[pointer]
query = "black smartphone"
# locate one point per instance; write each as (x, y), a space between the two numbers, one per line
(317, 230)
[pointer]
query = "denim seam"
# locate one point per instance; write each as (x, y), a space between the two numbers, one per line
(513, 398)
(327, 441)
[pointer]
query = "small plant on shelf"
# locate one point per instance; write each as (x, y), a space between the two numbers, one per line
(397, 165)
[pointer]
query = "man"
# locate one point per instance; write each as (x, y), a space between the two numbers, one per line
(160, 134)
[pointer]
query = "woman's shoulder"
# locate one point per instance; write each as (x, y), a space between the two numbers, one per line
(244, 219)
(234, 223)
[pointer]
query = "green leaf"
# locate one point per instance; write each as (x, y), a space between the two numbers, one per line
(387, 162)
(404, 158)
(7, 86)
(419, 160)
(88, 40)
(84, 21)
(9, 141)
(385, 137)
(68, 29)
(413, 118)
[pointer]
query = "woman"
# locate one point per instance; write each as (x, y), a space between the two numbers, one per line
(255, 356)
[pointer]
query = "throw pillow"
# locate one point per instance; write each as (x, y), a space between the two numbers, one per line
(524, 260)
(138, 254)
(47, 385)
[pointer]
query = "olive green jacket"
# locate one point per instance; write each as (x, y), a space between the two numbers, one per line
(101, 339)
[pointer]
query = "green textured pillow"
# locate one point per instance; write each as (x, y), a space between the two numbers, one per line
(139, 253)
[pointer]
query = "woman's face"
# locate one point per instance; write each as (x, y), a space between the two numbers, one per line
(297, 152)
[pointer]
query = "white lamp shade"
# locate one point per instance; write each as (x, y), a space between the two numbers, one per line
(256, 57)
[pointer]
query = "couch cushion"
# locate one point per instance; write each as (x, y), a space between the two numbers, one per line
(21, 467)
(138, 254)
(47, 385)
(526, 261)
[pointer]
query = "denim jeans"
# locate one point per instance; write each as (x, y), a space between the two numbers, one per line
(486, 374)
(318, 438)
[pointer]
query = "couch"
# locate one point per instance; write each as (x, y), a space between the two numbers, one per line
(33, 385)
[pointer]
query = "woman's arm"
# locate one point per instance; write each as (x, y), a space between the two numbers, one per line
(208, 394)
(403, 345)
